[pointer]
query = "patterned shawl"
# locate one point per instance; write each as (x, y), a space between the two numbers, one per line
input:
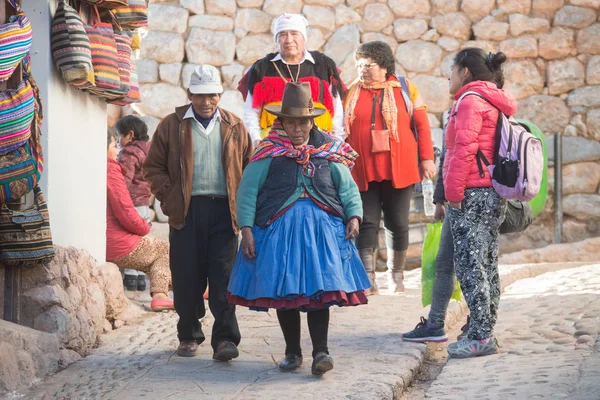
(389, 109)
(278, 144)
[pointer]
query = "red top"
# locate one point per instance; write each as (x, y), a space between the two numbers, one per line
(473, 127)
(132, 158)
(400, 164)
(124, 226)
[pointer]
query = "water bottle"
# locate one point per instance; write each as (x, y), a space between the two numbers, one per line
(427, 189)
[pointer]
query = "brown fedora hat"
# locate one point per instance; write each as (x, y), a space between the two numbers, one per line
(297, 102)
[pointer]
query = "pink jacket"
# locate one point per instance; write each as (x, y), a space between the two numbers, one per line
(473, 127)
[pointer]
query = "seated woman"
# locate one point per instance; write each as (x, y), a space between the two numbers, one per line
(299, 210)
(135, 143)
(126, 244)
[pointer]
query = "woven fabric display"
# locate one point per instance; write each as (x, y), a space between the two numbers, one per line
(104, 58)
(25, 236)
(124, 59)
(107, 3)
(71, 47)
(17, 110)
(18, 174)
(133, 96)
(15, 42)
(132, 16)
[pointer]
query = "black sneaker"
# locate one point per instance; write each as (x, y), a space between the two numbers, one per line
(422, 333)
(130, 280)
(141, 282)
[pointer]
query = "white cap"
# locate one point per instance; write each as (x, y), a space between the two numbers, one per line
(205, 79)
(291, 22)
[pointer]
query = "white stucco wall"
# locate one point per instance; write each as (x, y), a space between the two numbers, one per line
(74, 137)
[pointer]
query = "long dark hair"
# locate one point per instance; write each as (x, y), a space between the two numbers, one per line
(135, 124)
(482, 66)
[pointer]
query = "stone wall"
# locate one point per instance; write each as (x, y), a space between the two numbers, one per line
(553, 67)
(65, 306)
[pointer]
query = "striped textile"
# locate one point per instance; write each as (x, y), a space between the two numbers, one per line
(124, 59)
(17, 174)
(129, 17)
(17, 110)
(25, 236)
(15, 42)
(71, 47)
(105, 61)
(107, 3)
(133, 96)
(278, 144)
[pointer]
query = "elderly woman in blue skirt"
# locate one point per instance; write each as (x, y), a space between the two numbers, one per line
(299, 210)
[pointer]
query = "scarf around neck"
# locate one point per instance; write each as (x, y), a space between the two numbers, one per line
(389, 110)
(278, 144)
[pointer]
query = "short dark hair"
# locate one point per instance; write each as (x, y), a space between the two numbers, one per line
(380, 52)
(482, 66)
(135, 124)
(110, 134)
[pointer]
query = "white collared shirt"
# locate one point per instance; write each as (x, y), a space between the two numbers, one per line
(251, 115)
(211, 125)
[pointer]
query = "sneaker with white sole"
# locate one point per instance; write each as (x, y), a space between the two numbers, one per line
(424, 333)
(467, 348)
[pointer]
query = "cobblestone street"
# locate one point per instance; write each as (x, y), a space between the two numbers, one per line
(547, 329)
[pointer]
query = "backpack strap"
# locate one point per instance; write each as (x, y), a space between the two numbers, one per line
(409, 106)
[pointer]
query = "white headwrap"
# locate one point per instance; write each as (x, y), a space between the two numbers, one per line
(290, 22)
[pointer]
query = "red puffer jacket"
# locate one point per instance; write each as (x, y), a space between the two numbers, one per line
(124, 226)
(473, 127)
(132, 158)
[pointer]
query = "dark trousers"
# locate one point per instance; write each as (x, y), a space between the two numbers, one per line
(203, 252)
(318, 327)
(395, 204)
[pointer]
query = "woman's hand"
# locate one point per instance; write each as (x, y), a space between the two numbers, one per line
(456, 205)
(440, 212)
(248, 246)
(428, 169)
(352, 228)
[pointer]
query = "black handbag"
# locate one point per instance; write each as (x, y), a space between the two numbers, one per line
(25, 236)
(518, 217)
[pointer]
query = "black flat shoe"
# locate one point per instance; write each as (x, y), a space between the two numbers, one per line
(321, 364)
(290, 363)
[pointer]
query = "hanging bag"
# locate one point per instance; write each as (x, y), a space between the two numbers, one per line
(124, 60)
(132, 16)
(107, 3)
(380, 138)
(25, 236)
(71, 47)
(133, 96)
(15, 41)
(104, 57)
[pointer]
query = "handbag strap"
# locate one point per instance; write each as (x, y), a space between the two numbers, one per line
(15, 5)
(374, 109)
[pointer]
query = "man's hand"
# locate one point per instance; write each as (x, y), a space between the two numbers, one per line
(440, 212)
(352, 229)
(428, 169)
(248, 246)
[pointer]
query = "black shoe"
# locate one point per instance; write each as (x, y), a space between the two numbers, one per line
(422, 333)
(321, 364)
(130, 281)
(226, 351)
(290, 363)
(141, 282)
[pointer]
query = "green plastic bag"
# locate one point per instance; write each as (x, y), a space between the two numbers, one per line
(431, 245)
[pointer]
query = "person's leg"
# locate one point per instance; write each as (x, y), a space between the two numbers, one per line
(189, 279)
(151, 256)
(221, 253)
(318, 326)
(366, 241)
(496, 219)
(396, 207)
(289, 321)
(432, 329)
(472, 231)
(443, 285)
